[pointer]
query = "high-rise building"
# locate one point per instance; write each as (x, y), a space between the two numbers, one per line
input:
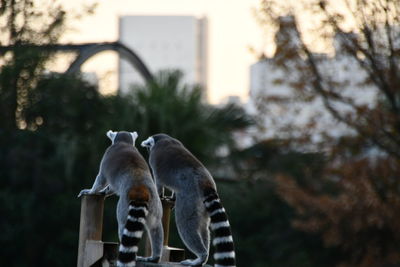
(165, 42)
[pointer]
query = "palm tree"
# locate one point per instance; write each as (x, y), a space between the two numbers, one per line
(169, 106)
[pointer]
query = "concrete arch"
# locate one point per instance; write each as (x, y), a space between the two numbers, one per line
(89, 50)
(86, 51)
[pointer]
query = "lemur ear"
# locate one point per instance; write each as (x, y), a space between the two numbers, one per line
(111, 135)
(134, 136)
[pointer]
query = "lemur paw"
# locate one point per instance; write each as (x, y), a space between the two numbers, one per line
(196, 262)
(107, 191)
(84, 192)
(148, 259)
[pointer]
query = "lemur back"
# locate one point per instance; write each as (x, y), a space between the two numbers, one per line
(125, 172)
(197, 202)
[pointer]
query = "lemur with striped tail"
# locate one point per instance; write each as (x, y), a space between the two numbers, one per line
(197, 202)
(125, 172)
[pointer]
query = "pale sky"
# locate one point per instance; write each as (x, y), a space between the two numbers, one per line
(232, 30)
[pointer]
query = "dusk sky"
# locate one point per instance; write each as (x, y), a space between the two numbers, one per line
(232, 30)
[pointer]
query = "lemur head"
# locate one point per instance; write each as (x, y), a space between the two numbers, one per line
(122, 136)
(154, 139)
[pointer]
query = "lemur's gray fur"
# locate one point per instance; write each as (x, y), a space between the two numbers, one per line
(197, 202)
(124, 171)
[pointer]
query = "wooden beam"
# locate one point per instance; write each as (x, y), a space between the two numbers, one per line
(91, 224)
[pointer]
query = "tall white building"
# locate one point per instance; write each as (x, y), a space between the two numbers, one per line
(165, 42)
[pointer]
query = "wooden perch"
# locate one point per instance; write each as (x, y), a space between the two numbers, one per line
(92, 251)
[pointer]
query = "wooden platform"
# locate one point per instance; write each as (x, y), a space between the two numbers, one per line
(93, 252)
(163, 264)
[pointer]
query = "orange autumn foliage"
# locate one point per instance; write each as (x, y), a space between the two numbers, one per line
(361, 213)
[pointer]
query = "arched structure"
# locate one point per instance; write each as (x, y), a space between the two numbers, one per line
(86, 51)
(123, 50)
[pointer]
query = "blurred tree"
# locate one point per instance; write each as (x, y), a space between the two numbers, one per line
(22, 67)
(361, 216)
(367, 103)
(42, 169)
(38, 167)
(163, 106)
(261, 219)
(353, 203)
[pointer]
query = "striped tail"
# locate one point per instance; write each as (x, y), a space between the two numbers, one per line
(224, 255)
(132, 234)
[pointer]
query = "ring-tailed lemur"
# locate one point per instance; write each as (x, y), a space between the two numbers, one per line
(124, 171)
(197, 201)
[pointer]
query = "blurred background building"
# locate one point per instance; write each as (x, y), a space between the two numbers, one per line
(165, 42)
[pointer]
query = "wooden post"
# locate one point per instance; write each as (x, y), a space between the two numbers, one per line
(169, 253)
(167, 205)
(91, 223)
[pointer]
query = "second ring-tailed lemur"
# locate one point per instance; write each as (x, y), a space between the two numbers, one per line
(197, 201)
(124, 171)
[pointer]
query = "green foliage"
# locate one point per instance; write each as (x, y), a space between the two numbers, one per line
(41, 170)
(174, 108)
